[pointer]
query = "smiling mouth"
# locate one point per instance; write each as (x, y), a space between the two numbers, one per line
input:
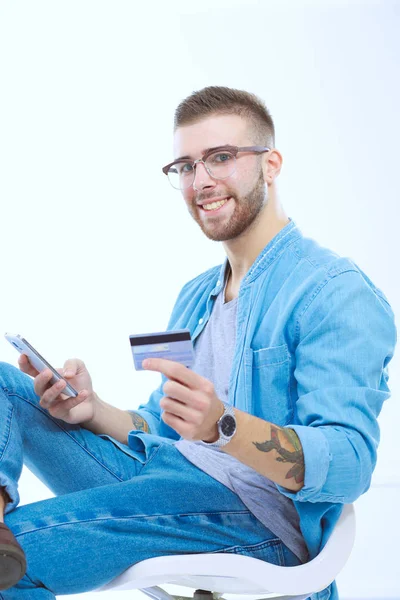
(215, 205)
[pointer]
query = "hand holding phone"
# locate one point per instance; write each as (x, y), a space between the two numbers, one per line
(38, 362)
(55, 391)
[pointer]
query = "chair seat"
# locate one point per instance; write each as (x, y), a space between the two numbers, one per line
(232, 573)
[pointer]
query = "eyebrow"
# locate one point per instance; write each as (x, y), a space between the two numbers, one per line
(187, 157)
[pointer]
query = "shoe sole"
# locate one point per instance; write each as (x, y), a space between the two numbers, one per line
(12, 566)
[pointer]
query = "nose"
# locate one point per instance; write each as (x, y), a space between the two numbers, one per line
(202, 178)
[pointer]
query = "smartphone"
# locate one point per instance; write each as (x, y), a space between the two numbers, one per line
(24, 347)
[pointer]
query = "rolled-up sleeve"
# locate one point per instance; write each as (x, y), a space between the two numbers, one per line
(345, 340)
(151, 411)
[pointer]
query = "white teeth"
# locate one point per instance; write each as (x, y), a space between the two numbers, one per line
(215, 205)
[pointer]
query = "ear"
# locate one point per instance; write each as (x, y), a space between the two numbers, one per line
(271, 165)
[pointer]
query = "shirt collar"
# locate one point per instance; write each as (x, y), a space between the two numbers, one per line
(269, 253)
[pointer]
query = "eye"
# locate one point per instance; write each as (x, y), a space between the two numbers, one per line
(220, 157)
(184, 168)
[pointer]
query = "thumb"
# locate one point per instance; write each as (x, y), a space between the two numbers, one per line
(70, 367)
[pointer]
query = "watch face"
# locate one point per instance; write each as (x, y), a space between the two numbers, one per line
(228, 425)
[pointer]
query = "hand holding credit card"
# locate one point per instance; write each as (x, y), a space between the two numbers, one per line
(172, 345)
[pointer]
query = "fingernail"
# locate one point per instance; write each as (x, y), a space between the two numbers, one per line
(145, 363)
(67, 373)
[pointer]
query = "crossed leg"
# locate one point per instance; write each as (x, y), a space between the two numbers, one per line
(114, 506)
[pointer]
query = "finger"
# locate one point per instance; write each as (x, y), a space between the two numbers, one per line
(25, 366)
(184, 429)
(193, 398)
(52, 393)
(64, 404)
(42, 381)
(71, 367)
(180, 392)
(184, 412)
(173, 421)
(176, 371)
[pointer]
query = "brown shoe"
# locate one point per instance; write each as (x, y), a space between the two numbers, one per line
(12, 559)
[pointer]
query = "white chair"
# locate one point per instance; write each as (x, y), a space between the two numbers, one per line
(212, 575)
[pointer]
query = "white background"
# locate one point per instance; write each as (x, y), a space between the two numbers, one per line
(95, 245)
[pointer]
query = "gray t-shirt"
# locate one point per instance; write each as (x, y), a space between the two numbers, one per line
(214, 351)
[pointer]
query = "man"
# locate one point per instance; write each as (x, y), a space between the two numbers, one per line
(253, 450)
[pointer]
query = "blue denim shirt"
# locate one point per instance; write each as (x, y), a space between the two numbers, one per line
(314, 339)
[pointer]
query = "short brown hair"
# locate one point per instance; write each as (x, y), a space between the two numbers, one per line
(215, 100)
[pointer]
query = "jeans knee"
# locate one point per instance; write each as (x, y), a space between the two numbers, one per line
(11, 376)
(8, 371)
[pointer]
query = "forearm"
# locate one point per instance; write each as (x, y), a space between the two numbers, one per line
(114, 422)
(273, 451)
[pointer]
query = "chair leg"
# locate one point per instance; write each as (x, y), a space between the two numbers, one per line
(157, 593)
(203, 595)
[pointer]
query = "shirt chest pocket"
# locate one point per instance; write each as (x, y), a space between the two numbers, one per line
(268, 384)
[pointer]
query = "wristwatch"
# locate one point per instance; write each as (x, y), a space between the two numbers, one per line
(226, 427)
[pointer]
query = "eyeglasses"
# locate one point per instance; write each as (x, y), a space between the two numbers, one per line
(219, 162)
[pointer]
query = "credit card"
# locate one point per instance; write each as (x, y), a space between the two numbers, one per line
(172, 345)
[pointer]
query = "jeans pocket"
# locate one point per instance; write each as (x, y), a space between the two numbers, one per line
(123, 447)
(145, 446)
(268, 370)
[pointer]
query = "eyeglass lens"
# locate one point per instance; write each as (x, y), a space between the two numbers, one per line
(219, 165)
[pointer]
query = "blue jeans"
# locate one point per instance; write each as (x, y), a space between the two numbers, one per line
(114, 506)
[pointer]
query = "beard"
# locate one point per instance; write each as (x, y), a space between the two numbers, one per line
(245, 215)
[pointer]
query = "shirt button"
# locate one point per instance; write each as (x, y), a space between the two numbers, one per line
(218, 282)
(200, 321)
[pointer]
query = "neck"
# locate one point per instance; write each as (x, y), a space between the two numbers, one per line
(243, 251)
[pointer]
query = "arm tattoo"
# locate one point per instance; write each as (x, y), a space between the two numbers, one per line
(138, 421)
(292, 455)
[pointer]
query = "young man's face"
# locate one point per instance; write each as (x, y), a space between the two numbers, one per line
(244, 190)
